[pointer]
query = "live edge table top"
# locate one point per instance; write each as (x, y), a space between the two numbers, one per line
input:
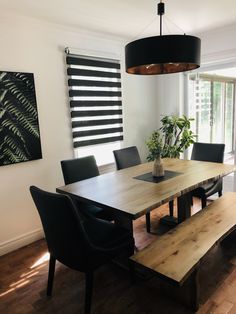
(121, 191)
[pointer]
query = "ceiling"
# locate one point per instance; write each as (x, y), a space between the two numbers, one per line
(227, 72)
(129, 18)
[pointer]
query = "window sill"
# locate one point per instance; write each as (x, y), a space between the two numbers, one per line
(107, 168)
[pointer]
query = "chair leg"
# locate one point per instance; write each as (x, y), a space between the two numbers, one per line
(203, 200)
(191, 200)
(51, 271)
(171, 208)
(148, 222)
(88, 292)
(220, 193)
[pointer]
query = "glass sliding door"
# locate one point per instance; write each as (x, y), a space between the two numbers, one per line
(229, 118)
(211, 103)
(217, 103)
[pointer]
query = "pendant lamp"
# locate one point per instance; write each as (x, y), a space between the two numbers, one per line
(163, 54)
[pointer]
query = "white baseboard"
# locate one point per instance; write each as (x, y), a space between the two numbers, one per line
(18, 242)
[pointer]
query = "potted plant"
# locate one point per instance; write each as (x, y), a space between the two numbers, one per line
(155, 147)
(170, 140)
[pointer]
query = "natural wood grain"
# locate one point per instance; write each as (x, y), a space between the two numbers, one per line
(131, 197)
(177, 253)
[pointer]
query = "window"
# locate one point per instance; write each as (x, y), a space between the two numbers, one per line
(96, 106)
(211, 99)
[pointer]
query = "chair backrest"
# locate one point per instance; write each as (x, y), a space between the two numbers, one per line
(208, 152)
(127, 157)
(79, 169)
(63, 228)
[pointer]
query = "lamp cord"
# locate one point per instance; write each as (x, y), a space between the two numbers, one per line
(160, 25)
(170, 21)
(160, 12)
(161, 9)
(144, 29)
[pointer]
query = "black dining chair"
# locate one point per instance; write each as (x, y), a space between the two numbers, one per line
(127, 157)
(213, 153)
(80, 244)
(78, 169)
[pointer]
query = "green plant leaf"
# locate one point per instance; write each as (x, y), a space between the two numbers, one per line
(172, 138)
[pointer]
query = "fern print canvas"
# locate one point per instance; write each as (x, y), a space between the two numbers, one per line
(19, 127)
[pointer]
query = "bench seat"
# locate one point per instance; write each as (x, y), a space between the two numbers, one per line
(177, 254)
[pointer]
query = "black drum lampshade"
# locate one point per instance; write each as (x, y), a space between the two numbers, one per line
(163, 54)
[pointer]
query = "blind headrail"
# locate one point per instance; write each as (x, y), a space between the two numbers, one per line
(96, 55)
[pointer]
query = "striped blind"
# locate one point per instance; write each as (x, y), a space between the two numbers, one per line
(95, 100)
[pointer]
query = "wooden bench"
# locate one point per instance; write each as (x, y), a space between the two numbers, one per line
(176, 255)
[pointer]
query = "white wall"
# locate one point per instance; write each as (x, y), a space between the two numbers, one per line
(28, 45)
(219, 46)
(140, 110)
(147, 100)
(169, 93)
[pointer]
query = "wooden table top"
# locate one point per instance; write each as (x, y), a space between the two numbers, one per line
(119, 190)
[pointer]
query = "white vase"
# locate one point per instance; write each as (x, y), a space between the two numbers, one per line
(158, 168)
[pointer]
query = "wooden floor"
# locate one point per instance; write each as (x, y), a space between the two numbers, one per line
(23, 278)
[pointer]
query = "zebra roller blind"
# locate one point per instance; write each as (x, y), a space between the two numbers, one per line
(95, 100)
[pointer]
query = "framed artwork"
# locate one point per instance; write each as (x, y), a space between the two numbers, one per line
(19, 126)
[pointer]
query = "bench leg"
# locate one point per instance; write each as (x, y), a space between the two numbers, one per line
(132, 271)
(194, 294)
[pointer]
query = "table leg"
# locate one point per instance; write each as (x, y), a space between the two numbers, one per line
(124, 222)
(184, 207)
(169, 220)
(184, 211)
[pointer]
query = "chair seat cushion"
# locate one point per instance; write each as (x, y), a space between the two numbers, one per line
(106, 234)
(206, 187)
(94, 211)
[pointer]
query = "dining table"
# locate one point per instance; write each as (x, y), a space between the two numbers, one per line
(133, 192)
